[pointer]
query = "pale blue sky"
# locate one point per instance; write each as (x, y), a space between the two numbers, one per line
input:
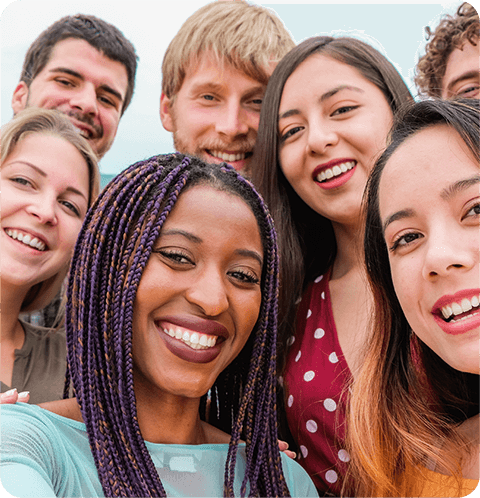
(397, 29)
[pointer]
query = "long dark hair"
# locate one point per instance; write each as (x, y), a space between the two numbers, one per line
(112, 250)
(406, 400)
(306, 239)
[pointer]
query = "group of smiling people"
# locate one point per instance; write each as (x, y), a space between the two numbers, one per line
(334, 294)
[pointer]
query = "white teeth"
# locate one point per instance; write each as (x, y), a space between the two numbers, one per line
(26, 239)
(195, 340)
(83, 133)
(466, 305)
(337, 170)
(228, 157)
(455, 309)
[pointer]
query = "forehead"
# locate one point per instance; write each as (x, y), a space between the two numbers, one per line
(425, 163)
(203, 200)
(207, 67)
(322, 73)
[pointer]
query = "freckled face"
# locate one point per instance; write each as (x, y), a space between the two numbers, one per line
(430, 207)
(200, 294)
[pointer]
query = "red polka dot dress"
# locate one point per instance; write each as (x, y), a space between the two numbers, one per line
(315, 377)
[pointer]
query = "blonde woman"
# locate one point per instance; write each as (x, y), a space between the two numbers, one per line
(50, 177)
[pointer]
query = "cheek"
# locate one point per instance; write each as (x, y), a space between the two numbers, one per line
(404, 282)
(69, 237)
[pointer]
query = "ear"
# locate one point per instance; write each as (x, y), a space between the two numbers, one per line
(166, 112)
(19, 99)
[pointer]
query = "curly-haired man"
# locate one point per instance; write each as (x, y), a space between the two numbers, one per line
(450, 66)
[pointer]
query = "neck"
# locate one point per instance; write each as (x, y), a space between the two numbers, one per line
(349, 255)
(168, 419)
(12, 299)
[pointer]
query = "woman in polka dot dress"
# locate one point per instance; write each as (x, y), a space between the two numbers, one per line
(327, 110)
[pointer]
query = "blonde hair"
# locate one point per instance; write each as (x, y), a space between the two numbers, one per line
(249, 37)
(50, 122)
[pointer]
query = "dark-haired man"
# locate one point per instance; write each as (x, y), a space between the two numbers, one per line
(85, 68)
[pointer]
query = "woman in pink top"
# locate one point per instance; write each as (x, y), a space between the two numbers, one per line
(327, 110)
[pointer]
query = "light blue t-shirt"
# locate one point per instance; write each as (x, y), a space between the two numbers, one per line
(46, 455)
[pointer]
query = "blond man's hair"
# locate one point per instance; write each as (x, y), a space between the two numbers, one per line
(249, 37)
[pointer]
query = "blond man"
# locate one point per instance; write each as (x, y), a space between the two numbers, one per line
(214, 76)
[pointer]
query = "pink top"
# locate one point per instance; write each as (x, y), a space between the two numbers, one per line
(315, 376)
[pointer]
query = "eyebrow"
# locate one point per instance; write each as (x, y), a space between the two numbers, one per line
(446, 194)
(176, 231)
(325, 96)
(42, 173)
(206, 86)
(465, 76)
(197, 240)
(459, 186)
(75, 74)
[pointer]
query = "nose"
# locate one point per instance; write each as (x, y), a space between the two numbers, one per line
(85, 99)
(208, 292)
(320, 137)
(44, 209)
(233, 120)
(446, 253)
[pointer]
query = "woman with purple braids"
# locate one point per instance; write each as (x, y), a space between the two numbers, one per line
(172, 298)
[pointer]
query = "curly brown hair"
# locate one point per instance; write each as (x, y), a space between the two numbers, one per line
(451, 33)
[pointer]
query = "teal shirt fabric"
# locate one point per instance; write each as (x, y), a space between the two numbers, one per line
(46, 455)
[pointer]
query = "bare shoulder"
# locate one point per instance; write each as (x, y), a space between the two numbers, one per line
(67, 408)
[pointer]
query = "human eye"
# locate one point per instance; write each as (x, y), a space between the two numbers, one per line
(174, 256)
(470, 91)
(107, 101)
(208, 97)
(344, 109)
(64, 82)
(405, 240)
(473, 211)
(71, 207)
(21, 181)
(290, 133)
(244, 276)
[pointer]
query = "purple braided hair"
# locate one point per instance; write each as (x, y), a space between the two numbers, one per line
(112, 251)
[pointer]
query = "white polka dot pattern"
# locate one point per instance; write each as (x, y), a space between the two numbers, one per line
(330, 405)
(309, 376)
(309, 313)
(312, 426)
(331, 476)
(318, 279)
(299, 354)
(333, 358)
(344, 456)
(290, 401)
(319, 333)
(304, 451)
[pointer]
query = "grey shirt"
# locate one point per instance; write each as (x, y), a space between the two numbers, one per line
(40, 364)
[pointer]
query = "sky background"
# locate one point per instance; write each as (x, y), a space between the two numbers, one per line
(396, 29)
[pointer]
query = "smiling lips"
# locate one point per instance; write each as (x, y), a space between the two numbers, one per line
(195, 340)
(334, 174)
(192, 339)
(26, 239)
(459, 313)
(337, 170)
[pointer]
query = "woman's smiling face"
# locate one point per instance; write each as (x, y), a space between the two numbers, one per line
(200, 294)
(45, 192)
(332, 125)
(429, 203)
